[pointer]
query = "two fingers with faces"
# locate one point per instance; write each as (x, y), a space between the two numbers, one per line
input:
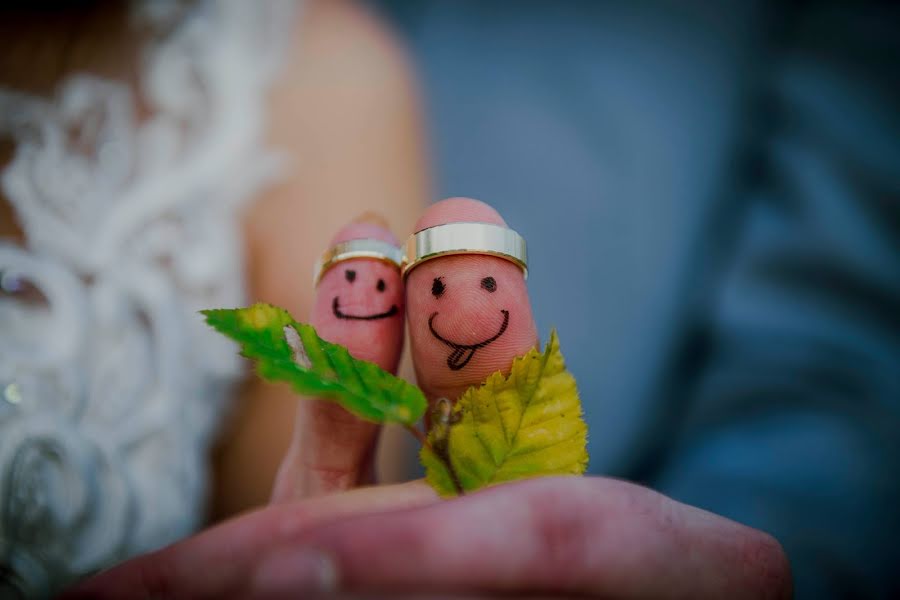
(468, 316)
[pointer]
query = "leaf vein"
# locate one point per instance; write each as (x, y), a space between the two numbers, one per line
(515, 454)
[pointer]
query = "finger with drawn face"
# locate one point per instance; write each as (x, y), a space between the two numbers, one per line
(359, 304)
(469, 315)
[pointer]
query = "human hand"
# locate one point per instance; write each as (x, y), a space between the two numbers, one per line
(554, 536)
(359, 304)
(470, 317)
(559, 537)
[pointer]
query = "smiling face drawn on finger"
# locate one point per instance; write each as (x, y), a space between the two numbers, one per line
(380, 287)
(461, 353)
(469, 316)
(359, 304)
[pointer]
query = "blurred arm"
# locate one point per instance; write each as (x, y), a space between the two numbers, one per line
(346, 114)
(793, 427)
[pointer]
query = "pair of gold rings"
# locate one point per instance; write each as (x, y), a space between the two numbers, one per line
(424, 245)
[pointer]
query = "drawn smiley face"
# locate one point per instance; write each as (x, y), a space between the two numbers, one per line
(350, 276)
(462, 353)
(359, 304)
(469, 316)
(468, 313)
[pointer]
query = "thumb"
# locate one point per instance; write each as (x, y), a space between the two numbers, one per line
(359, 304)
(469, 315)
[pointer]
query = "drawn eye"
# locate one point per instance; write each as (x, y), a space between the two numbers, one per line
(350, 274)
(380, 285)
(437, 287)
(490, 284)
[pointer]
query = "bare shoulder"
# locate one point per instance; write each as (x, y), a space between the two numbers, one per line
(340, 41)
(344, 114)
(343, 57)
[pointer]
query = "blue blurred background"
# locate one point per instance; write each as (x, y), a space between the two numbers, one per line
(711, 196)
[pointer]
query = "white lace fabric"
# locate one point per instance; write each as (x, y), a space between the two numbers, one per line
(112, 386)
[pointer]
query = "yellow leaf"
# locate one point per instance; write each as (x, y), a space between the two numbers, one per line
(528, 424)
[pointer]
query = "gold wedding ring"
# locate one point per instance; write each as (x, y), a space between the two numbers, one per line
(360, 248)
(464, 238)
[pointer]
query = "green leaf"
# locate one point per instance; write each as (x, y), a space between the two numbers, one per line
(285, 350)
(528, 424)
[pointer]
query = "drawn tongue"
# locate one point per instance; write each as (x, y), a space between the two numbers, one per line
(459, 358)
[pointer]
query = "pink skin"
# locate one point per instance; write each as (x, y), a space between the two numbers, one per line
(563, 537)
(377, 340)
(331, 449)
(572, 537)
(467, 312)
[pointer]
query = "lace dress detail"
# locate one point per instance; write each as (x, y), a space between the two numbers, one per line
(110, 384)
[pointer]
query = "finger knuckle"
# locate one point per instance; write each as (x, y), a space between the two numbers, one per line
(559, 528)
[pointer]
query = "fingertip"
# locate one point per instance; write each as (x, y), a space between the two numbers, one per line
(465, 328)
(456, 210)
(360, 301)
(372, 217)
(367, 226)
(469, 315)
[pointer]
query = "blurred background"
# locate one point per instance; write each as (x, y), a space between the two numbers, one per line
(711, 197)
(710, 194)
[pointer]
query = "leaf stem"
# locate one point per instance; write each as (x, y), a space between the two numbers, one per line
(419, 436)
(442, 456)
(453, 476)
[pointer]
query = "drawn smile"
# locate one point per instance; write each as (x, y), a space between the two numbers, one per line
(463, 353)
(336, 309)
